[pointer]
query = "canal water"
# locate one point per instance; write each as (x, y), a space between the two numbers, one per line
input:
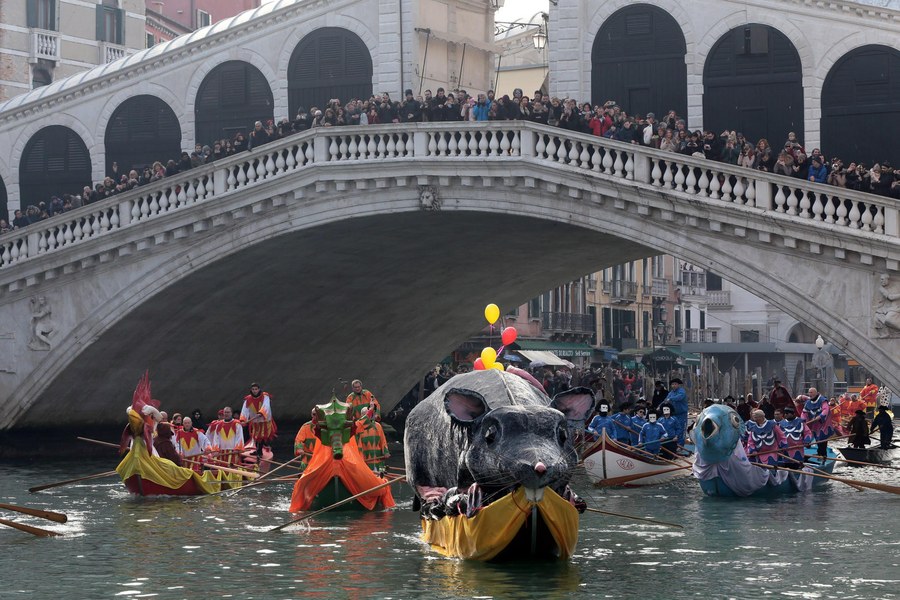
(832, 543)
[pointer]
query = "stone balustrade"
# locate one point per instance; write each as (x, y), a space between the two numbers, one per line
(682, 178)
(44, 45)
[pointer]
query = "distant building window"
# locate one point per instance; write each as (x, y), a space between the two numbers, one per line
(110, 23)
(151, 40)
(40, 78)
(203, 19)
(534, 308)
(41, 14)
(749, 336)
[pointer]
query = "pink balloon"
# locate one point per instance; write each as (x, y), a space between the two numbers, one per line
(479, 364)
(509, 335)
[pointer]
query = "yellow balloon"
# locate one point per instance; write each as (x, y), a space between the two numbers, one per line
(491, 313)
(498, 366)
(488, 357)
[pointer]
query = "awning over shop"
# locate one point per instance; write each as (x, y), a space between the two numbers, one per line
(672, 354)
(542, 357)
(561, 349)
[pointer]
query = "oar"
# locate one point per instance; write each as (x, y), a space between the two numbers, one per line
(262, 479)
(858, 488)
(881, 487)
(612, 481)
(68, 481)
(864, 464)
(340, 503)
(29, 529)
(98, 442)
(654, 521)
(243, 473)
(636, 449)
(35, 512)
(807, 445)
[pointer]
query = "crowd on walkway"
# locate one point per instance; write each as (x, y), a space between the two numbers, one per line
(669, 133)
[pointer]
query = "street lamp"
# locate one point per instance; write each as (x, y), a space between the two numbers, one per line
(820, 343)
(539, 38)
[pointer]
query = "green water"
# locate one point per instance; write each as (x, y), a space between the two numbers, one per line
(833, 543)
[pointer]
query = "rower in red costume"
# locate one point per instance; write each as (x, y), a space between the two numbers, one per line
(226, 436)
(257, 412)
(191, 442)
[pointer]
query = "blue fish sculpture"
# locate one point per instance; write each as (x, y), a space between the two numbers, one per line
(723, 469)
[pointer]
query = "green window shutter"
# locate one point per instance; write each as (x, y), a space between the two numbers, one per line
(100, 33)
(31, 13)
(120, 26)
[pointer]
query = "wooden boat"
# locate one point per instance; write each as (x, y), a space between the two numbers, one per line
(741, 478)
(147, 475)
(337, 470)
(873, 455)
(608, 459)
(511, 527)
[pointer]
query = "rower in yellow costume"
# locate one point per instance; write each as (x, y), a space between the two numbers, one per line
(869, 395)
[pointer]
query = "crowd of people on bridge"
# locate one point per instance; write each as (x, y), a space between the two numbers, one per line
(670, 133)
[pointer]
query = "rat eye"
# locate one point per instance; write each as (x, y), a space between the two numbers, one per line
(562, 434)
(490, 435)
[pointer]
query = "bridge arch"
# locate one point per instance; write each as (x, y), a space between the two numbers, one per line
(141, 130)
(638, 60)
(753, 82)
(861, 105)
(230, 96)
(330, 62)
(55, 161)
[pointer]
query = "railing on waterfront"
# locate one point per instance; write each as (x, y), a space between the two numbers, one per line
(493, 141)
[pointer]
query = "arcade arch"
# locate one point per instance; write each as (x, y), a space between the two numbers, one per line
(231, 97)
(142, 129)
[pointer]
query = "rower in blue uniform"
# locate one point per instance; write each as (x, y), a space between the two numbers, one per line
(678, 399)
(623, 423)
(637, 423)
(602, 422)
(652, 434)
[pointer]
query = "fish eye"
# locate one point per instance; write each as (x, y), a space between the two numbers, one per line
(562, 434)
(735, 420)
(490, 435)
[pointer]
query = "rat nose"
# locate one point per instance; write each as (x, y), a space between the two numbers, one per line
(540, 468)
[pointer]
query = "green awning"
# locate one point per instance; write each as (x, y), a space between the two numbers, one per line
(561, 349)
(672, 354)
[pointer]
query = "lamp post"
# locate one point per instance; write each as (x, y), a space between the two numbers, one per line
(823, 363)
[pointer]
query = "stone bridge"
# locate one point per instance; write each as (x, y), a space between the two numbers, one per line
(370, 252)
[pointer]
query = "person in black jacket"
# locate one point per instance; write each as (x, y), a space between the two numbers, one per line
(411, 109)
(885, 425)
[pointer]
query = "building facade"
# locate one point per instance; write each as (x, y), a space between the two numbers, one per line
(830, 72)
(43, 41)
(167, 19)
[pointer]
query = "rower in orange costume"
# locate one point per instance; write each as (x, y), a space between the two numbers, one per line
(359, 399)
(869, 395)
(305, 441)
(370, 438)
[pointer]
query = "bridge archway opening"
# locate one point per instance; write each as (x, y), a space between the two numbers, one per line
(638, 61)
(142, 129)
(753, 83)
(231, 97)
(330, 62)
(801, 334)
(860, 103)
(55, 162)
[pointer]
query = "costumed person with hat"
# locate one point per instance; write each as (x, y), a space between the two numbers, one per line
(796, 434)
(883, 423)
(677, 397)
(257, 413)
(659, 394)
(859, 430)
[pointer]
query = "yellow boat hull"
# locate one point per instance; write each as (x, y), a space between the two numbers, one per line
(512, 524)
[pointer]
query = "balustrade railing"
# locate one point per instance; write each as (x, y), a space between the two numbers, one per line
(718, 298)
(701, 336)
(567, 322)
(44, 45)
(493, 141)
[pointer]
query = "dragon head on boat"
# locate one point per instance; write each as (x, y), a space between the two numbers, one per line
(717, 431)
(334, 425)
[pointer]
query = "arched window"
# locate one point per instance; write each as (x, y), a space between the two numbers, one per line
(142, 129)
(753, 83)
(861, 106)
(328, 63)
(55, 162)
(638, 61)
(230, 99)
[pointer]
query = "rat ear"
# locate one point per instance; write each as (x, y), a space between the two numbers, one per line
(575, 403)
(465, 406)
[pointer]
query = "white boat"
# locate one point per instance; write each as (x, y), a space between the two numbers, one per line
(609, 463)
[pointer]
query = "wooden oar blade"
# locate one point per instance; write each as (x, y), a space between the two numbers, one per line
(29, 529)
(35, 512)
